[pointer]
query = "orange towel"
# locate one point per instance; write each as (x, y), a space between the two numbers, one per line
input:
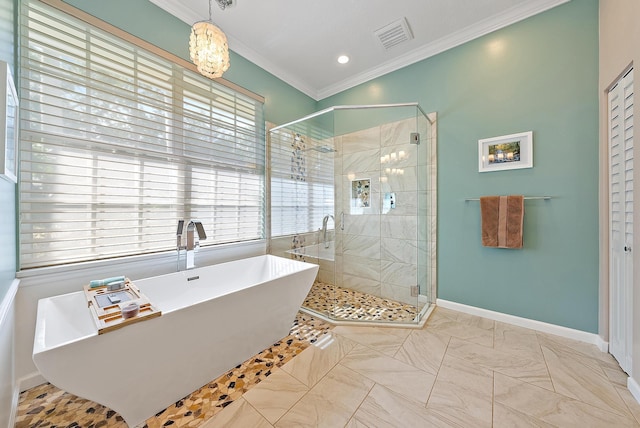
(502, 221)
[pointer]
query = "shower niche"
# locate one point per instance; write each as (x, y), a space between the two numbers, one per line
(353, 189)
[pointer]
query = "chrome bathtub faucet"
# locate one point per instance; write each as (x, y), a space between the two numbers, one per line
(195, 234)
(325, 220)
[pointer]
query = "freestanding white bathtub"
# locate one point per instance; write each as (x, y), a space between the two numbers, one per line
(213, 318)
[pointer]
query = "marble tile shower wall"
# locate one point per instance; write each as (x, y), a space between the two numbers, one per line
(377, 253)
(382, 255)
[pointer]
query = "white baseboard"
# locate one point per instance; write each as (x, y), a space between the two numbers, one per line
(601, 344)
(544, 327)
(634, 388)
(30, 381)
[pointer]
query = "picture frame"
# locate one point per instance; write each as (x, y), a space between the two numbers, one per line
(513, 151)
(8, 125)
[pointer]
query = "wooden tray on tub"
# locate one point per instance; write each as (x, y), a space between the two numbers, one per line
(106, 306)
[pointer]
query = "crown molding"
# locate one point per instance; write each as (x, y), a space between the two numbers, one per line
(267, 65)
(479, 29)
(181, 11)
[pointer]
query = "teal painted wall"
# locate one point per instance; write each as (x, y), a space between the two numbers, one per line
(7, 189)
(283, 103)
(540, 75)
(537, 75)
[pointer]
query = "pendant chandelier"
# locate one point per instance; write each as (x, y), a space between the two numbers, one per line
(208, 47)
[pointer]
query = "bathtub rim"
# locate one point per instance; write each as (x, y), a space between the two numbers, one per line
(39, 343)
(197, 268)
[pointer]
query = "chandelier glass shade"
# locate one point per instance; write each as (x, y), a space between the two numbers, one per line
(208, 47)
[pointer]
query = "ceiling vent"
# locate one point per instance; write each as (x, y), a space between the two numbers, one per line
(393, 34)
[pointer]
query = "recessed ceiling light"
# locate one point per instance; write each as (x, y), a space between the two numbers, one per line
(343, 59)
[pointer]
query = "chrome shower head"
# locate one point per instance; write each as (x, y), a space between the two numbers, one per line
(322, 149)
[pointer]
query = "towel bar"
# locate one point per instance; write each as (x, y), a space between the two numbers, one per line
(526, 198)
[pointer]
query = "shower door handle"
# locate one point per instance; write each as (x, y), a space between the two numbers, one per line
(342, 220)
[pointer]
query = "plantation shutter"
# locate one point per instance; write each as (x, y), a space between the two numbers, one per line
(621, 262)
(118, 143)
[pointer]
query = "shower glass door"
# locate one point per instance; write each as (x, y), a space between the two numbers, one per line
(377, 197)
(301, 197)
(350, 191)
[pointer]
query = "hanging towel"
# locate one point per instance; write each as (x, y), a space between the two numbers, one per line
(502, 220)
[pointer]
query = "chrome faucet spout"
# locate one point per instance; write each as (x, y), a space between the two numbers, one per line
(325, 220)
(195, 233)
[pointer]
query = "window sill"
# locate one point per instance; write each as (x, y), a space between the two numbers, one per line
(136, 267)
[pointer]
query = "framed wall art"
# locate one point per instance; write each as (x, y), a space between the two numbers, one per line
(512, 151)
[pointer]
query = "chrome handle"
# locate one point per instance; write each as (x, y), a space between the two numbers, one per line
(627, 249)
(342, 220)
(179, 234)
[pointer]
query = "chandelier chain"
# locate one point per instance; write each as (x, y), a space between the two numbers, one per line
(223, 5)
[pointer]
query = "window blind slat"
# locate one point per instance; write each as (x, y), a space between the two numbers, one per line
(302, 182)
(118, 143)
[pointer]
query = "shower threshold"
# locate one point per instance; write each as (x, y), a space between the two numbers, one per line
(342, 306)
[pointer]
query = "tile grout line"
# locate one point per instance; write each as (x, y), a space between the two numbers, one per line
(258, 410)
(293, 405)
(633, 417)
(546, 365)
(353, 415)
(444, 355)
(493, 398)
(254, 408)
(390, 356)
(596, 361)
(310, 387)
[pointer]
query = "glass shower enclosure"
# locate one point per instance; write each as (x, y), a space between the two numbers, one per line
(352, 188)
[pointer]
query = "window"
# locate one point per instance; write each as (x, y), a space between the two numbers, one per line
(118, 143)
(302, 181)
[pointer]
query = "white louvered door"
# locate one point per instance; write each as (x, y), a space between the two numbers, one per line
(621, 219)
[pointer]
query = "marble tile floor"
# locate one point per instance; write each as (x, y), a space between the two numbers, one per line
(458, 371)
(333, 301)
(48, 406)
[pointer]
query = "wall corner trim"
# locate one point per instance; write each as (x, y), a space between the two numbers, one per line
(544, 327)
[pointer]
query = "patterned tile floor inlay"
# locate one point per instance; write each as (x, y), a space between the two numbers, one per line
(48, 406)
(333, 301)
